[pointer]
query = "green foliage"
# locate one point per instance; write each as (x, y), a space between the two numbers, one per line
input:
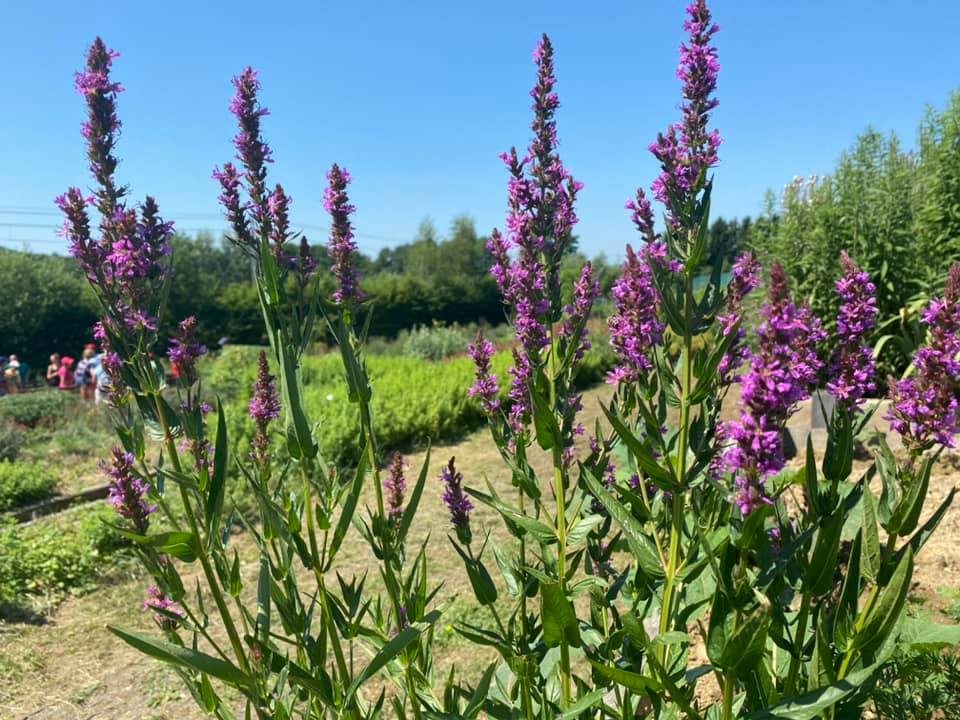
(47, 306)
(919, 686)
(44, 561)
(12, 440)
(435, 343)
(896, 213)
(24, 483)
(36, 408)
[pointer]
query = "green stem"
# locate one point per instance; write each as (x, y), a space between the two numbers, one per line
(561, 492)
(367, 423)
(679, 498)
(728, 688)
(211, 577)
(526, 699)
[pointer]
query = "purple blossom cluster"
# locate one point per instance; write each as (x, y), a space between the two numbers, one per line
(540, 220)
(641, 213)
(854, 368)
(252, 151)
(157, 600)
(924, 406)
(634, 327)
(456, 501)
(341, 246)
(688, 149)
(127, 491)
(185, 350)
(102, 127)
(395, 484)
(781, 374)
(745, 277)
(264, 407)
(278, 206)
(485, 387)
(112, 363)
(585, 292)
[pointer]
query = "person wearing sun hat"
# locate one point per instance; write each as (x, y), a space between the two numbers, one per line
(65, 372)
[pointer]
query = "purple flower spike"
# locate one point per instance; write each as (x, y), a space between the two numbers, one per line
(264, 408)
(688, 149)
(185, 350)
(781, 374)
(156, 600)
(457, 503)
(854, 367)
(642, 215)
(925, 407)
(127, 491)
(585, 292)
(634, 328)
(252, 151)
(279, 207)
(102, 127)
(485, 387)
(745, 278)
(395, 485)
(341, 245)
(229, 180)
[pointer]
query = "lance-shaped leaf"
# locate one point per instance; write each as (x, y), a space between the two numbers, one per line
(214, 505)
(185, 657)
(886, 610)
(812, 705)
(181, 545)
(349, 508)
(414, 502)
(870, 555)
(558, 617)
(823, 564)
(641, 453)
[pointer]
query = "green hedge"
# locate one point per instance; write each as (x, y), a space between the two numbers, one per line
(24, 483)
(49, 559)
(35, 408)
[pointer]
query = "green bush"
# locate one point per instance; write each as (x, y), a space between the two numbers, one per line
(24, 483)
(35, 408)
(12, 440)
(435, 343)
(47, 560)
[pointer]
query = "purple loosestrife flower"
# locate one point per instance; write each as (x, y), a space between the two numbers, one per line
(642, 215)
(854, 367)
(781, 374)
(102, 127)
(306, 264)
(341, 246)
(264, 407)
(229, 180)
(185, 350)
(745, 278)
(924, 407)
(688, 149)
(127, 491)
(156, 600)
(252, 151)
(634, 326)
(456, 501)
(585, 291)
(485, 387)
(279, 207)
(395, 485)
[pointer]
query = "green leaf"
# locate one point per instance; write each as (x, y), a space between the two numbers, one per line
(181, 545)
(870, 555)
(480, 692)
(632, 681)
(908, 513)
(215, 495)
(640, 544)
(886, 611)
(558, 617)
(812, 705)
(583, 703)
(483, 587)
(411, 510)
(541, 532)
(924, 636)
(811, 480)
(392, 649)
(349, 507)
(545, 422)
(185, 657)
(641, 453)
(823, 563)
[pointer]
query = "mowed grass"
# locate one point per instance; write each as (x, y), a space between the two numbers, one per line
(70, 666)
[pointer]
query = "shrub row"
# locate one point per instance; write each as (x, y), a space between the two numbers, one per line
(24, 483)
(36, 408)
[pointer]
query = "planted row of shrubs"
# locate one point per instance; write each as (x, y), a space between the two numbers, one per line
(24, 483)
(416, 399)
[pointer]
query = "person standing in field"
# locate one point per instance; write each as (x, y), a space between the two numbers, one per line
(85, 375)
(12, 375)
(65, 374)
(53, 371)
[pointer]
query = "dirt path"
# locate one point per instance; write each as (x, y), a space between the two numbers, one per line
(71, 668)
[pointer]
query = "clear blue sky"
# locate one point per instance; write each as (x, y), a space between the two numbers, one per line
(418, 99)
